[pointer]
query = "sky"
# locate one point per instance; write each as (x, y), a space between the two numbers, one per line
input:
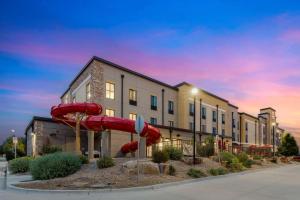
(244, 51)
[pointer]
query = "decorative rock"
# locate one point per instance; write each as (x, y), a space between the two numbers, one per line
(189, 160)
(145, 167)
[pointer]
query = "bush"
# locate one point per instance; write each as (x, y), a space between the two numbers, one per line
(84, 159)
(174, 153)
(227, 158)
(235, 165)
(218, 171)
(196, 173)
(288, 146)
(205, 150)
(172, 170)
(105, 162)
(243, 157)
(54, 165)
(257, 157)
(19, 165)
(47, 149)
(160, 156)
(248, 163)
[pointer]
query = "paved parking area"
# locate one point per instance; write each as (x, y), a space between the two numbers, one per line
(276, 183)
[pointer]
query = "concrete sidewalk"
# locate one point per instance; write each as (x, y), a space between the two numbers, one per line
(275, 183)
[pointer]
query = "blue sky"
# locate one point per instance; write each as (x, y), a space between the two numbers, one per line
(245, 51)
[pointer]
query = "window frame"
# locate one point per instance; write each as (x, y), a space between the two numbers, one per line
(153, 107)
(110, 94)
(203, 112)
(152, 119)
(214, 116)
(171, 107)
(109, 115)
(191, 109)
(88, 94)
(132, 102)
(132, 114)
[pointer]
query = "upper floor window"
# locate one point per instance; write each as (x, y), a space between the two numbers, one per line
(88, 92)
(233, 136)
(203, 128)
(223, 118)
(233, 123)
(170, 107)
(153, 120)
(153, 102)
(132, 116)
(246, 138)
(223, 132)
(214, 116)
(171, 123)
(74, 99)
(110, 90)
(214, 131)
(191, 109)
(110, 112)
(246, 126)
(132, 97)
(238, 125)
(203, 112)
(191, 126)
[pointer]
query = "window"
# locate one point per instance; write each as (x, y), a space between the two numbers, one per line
(132, 116)
(88, 92)
(153, 102)
(203, 128)
(223, 118)
(214, 116)
(110, 90)
(223, 132)
(203, 112)
(153, 120)
(238, 125)
(132, 97)
(110, 112)
(171, 107)
(246, 126)
(233, 136)
(192, 126)
(74, 99)
(214, 131)
(246, 138)
(191, 109)
(238, 137)
(171, 123)
(233, 123)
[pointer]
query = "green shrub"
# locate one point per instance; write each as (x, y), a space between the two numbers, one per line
(105, 162)
(47, 149)
(235, 165)
(257, 157)
(174, 153)
(196, 173)
(243, 157)
(19, 165)
(205, 150)
(218, 171)
(160, 156)
(248, 163)
(172, 170)
(227, 157)
(54, 165)
(84, 159)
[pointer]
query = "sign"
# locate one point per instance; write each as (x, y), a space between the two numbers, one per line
(15, 140)
(139, 124)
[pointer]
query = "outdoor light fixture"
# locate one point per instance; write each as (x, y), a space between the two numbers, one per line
(194, 91)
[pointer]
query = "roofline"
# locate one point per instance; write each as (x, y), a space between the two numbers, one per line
(233, 106)
(204, 91)
(243, 113)
(268, 108)
(120, 68)
(34, 118)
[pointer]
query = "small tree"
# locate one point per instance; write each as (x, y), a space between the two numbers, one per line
(8, 148)
(288, 146)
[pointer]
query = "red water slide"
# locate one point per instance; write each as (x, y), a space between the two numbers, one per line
(94, 121)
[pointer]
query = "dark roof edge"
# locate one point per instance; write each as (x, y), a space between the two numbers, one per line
(233, 106)
(243, 113)
(34, 118)
(118, 67)
(208, 93)
(268, 108)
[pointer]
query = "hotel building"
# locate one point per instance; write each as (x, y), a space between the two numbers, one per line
(126, 93)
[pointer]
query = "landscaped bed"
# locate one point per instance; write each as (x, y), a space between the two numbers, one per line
(91, 177)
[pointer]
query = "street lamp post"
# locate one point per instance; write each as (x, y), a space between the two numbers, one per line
(273, 124)
(194, 92)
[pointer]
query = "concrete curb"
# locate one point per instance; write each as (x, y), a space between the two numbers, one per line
(141, 188)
